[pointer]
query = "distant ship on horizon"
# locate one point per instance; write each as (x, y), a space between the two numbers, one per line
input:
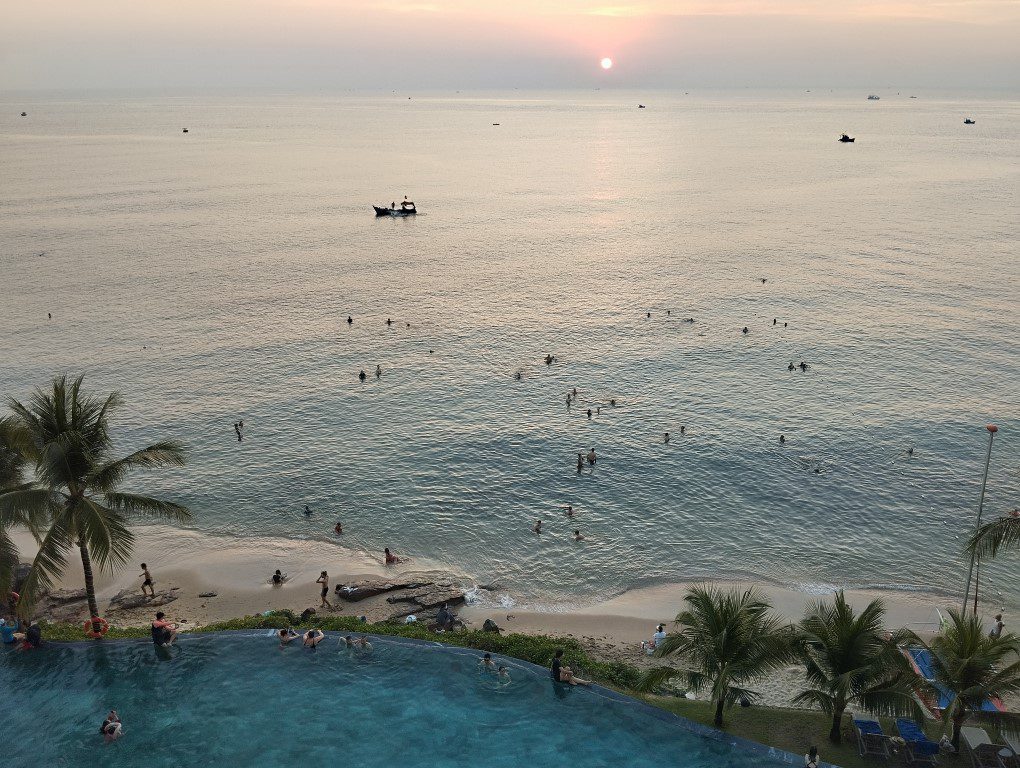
(873, 97)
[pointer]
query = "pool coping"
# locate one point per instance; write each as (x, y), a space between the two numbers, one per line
(704, 731)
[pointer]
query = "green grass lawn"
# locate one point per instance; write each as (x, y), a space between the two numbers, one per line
(793, 730)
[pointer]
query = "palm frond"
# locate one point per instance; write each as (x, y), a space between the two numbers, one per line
(996, 536)
(817, 698)
(144, 505)
(105, 533)
(9, 559)
(49, 563)
(108, 477)
(654, 678)
(27, 505)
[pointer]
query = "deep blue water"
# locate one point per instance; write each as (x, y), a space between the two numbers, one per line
(208, 277)
(231, 700)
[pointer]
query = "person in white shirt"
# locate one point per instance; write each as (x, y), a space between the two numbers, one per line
(659, 636)
(811, 759)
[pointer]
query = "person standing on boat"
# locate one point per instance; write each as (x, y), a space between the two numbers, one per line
(406, 204)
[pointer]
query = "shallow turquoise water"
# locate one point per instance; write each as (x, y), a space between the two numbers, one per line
(233, 700)
(208, 277)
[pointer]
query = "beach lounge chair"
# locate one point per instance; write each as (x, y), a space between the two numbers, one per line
(871, 742)
(918, 748)
(984, 753)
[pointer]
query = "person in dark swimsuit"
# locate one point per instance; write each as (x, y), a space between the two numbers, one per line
(163, 631)
(564, 674)
(148, 580)
(324, 581)
(580, 463)
(277, 578)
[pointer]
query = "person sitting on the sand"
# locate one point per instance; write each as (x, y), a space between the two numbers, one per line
(391, 559)
(564, 674)
(312, 638)
(659, 636)
(286, 635)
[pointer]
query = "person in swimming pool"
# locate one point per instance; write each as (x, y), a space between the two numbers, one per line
(503, 675)
(163, 632)
(312, 638)
(286, 635)
(362, 644)
(348, 642)
(562, 673)
(111, 727)
(324, 581)
(486, 663)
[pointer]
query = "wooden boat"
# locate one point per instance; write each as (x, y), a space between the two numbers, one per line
(394, 211)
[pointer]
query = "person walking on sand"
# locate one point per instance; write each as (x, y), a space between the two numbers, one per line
(147, 580)
(324, 581)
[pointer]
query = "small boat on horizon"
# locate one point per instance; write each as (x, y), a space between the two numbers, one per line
(968, 121)
(844, 139)
(873, 97)
(380, 211)
(24, 114)
(641, 106)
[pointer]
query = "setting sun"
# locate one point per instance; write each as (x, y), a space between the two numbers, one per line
(607, 63)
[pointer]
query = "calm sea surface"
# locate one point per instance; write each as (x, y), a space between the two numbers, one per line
(209, 276)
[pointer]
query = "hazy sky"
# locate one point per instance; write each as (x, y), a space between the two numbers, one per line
(315, 44)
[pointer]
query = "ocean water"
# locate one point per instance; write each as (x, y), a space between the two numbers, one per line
(208, 277)
(239, 700)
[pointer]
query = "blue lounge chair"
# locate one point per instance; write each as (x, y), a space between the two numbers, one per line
(871, 742)
(920, 750)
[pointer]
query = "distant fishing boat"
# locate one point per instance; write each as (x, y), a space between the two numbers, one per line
(394, 211)
(873, 97)
(24, 114)
(641, 106)
(846, 139)
(968, 121)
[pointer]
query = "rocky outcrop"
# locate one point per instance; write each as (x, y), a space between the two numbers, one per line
(361, 590)
(128, 599)
(425, 601)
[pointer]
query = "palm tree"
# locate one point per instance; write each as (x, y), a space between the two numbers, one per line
(726, 640)
(973, 666)
(74, 501)
(12, 467)
(850, 660)
(996, 536)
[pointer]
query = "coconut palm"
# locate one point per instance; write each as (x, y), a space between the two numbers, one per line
(996, 536)
(725, 640)
(74, 502)
(12, 467)
(973, 666)
(850, 659)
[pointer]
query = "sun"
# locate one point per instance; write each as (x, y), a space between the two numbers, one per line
(607, 63)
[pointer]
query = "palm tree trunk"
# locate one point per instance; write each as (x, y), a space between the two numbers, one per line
(957, 725)
(90, 585)
(835, 734)
(718, 712)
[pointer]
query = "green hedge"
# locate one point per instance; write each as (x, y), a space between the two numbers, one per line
(538, 649)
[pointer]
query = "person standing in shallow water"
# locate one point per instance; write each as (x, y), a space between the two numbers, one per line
(580, 463)
(591, 457)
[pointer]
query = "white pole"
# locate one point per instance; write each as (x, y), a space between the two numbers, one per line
(992, 429)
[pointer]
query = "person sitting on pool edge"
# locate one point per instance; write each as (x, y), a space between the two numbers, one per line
(163, 632)
(562, 673)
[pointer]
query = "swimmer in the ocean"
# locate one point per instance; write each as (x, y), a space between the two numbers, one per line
(589, 413)
(537, 527)
(388, 321)
(773, 321)
(518, 375)
(568, 399)
(307, 510)
(378, 371)
(338, 529)
(574, 393)
(791, 366)
(591, 457)
(665, 437)
(569, 511)
(362, 376)
(782, 440)
(682, 429)
(612, 402)
(745, 330)
(350, 320)
(648, 314)
(580, 463)
(578, 536)
(803, 365)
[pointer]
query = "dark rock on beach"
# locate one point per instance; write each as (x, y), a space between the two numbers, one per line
(127, 599)
(364, 589)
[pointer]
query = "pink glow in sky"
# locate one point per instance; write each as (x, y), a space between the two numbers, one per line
(527, 43)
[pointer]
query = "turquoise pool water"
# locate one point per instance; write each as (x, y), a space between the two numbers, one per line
(237, 700)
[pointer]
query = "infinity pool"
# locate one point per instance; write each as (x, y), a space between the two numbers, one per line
(235, 699)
